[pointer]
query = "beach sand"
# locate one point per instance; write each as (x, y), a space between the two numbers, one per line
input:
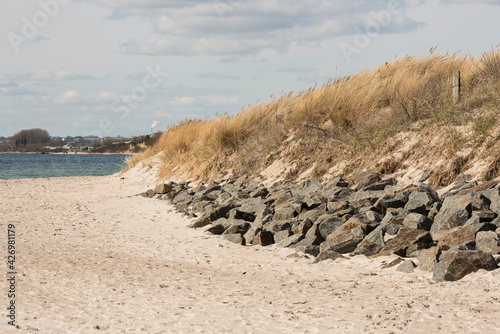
(93, 257)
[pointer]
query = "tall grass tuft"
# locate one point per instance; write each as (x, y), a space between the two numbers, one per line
(341, 119)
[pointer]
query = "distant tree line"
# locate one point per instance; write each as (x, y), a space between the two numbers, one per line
(32, 136)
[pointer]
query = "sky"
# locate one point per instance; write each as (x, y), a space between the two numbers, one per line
(113, 67)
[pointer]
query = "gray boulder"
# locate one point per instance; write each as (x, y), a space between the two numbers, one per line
(263, 238)
(381, 185)
(249, 236)
(343, 240)
(163, 188)
(238, 226)
(455, 211)
(404, 239)
(406, 267)
(458, 238)
(428, 258)
(219, 226)
(328, 255)
(236, 238)
(488, 242)
(281, 235)
(327, 226)
(417, 221)
(365, 179)
(372, 243)
(456, 264)
(311, 250)
(291, 241)
(284, 213)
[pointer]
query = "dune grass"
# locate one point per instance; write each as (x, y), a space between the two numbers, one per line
(341, 119)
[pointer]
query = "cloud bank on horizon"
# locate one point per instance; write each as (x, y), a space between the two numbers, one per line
(111, 67)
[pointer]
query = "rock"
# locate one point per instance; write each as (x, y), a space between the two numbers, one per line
(312, 237)
(311, 250)
(415, 249)
(461, 237)
(334, 207)
(262, 220)
(372, 243)
(381, 185)
(404, 239)
(365, 179)
(281, 235)
(307, 187)
(285, 213)
(418, 200)
(417, 221)
(371, 195)
(455, 211)
(328, 255)
(282, 200)
(238, 226)
(239, 214)
(343, 240)
(236, 238)
(149, 193)
(395, 201)
(221, 212)
(202, 221)
(391, 229)
(311, 216)
(388, 218)
(290, 241)
(302, 227)
(406, 267)
(336, 182)
(393, 263)
(315, 203)
(373, 216)
(260, 192)
(422, 187)
(342, 195)
(249, 236)
(425, 176)
(278, 225)
(456, 264)
(263, 238)
(488, 242)
(327, 226)
(219, 226)
(163, 188)
(207, 219)
(428, 258)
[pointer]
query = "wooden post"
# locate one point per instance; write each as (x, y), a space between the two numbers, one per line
(456, 86)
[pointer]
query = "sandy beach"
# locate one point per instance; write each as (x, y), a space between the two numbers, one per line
(92, 256)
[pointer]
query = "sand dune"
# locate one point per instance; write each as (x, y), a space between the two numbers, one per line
(93, 257)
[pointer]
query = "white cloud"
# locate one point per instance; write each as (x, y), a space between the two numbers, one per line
(48, 75)
(14, 89)
(75, 97)
(211, 75)
(69, 97)
(203, 100)
(296, 70)
(245, 27)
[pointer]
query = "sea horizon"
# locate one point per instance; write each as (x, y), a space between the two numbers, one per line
(36, 165)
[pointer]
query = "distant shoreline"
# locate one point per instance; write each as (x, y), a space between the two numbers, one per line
(69, 153)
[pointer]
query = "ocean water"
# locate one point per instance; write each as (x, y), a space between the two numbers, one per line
(21, 166)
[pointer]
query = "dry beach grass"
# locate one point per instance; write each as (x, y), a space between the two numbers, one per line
(350, 121)
(94, 257)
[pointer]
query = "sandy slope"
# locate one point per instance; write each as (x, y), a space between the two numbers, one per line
(96, 258)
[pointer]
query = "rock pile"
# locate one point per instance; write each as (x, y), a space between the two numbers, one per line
(452, 235)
